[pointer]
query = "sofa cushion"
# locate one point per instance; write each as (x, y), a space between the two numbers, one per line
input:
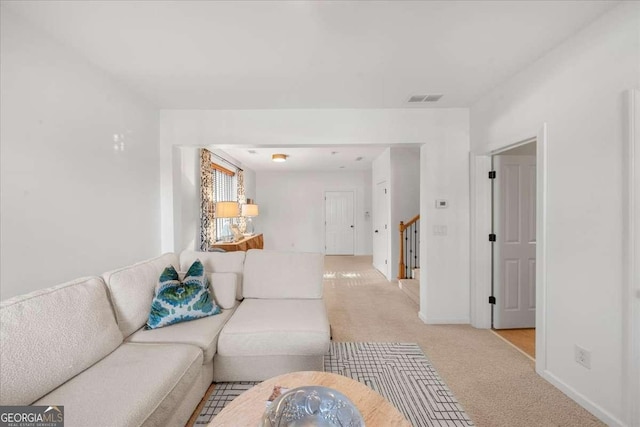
(178, 300)
(224, 287)
(202, 333)
(276, 327)
(274, 274)
(128, 386)
(51, 335)
(132, 289)
(217, 262)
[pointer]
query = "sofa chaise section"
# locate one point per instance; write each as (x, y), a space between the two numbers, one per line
(281, 325)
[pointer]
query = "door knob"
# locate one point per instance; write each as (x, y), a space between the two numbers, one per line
(352, 226)
(375, 231)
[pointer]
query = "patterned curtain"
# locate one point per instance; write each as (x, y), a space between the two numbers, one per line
(207, 200)
(207, 223)
(242, 199)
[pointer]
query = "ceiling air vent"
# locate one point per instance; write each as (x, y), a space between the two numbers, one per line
(417, 98)
(424, 98)
(432, 98)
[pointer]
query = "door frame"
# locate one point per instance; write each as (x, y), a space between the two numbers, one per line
(355, 219)
(374, 201)
(480, 257)
(631, 288)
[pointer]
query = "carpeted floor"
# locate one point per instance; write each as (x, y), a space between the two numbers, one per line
(495, 383)
(399, 372)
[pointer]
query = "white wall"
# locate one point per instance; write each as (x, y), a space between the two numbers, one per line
(404, 195)
(444, 259)
(292, 208)
(577, 89)
(71, 205)
(186, 201)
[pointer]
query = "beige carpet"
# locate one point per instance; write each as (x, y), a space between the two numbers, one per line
(495, 383)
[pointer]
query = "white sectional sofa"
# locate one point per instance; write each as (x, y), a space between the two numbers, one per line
(83, 344)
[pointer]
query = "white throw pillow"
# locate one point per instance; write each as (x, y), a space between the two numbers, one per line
(223, 287)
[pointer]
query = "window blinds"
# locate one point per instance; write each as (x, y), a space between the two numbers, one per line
(224, 186)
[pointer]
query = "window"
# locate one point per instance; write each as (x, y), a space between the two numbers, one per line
(224, 190)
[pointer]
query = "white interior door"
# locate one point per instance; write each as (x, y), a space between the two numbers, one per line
(339, 223)
(514, 251)
(380, 228)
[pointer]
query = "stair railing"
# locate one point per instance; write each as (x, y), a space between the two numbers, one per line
(409, 247)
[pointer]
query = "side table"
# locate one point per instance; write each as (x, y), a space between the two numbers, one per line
(251, 242)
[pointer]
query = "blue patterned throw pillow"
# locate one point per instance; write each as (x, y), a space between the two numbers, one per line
(179, 301)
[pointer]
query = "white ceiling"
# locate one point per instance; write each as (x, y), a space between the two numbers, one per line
(308, 159)
(315, 54)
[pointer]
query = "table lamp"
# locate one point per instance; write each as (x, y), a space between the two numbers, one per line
(249, 210)
(227, 210)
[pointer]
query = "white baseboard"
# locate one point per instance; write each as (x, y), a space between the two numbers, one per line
(436, 321)
(583, 401)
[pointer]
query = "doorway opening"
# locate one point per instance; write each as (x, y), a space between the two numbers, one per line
(513, 248)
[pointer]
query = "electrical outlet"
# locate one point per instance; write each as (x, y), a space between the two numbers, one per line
(583, 357)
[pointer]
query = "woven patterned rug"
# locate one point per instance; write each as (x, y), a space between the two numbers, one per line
(399, 372)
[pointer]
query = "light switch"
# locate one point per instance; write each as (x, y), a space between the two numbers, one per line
(439, 230)
(442, 204)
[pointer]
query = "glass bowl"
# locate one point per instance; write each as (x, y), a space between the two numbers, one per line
(312, 406)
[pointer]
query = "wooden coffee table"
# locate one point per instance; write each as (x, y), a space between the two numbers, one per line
(247, 409)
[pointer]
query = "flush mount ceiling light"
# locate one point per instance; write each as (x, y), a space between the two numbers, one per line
(279, 157)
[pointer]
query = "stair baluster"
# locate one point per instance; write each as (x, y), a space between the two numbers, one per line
(409, 247)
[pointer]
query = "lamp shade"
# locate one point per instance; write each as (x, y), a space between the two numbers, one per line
(227, 209)
(249, 210)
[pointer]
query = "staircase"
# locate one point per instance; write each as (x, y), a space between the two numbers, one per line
(409, 247)
(409, 263)
(411, 287)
